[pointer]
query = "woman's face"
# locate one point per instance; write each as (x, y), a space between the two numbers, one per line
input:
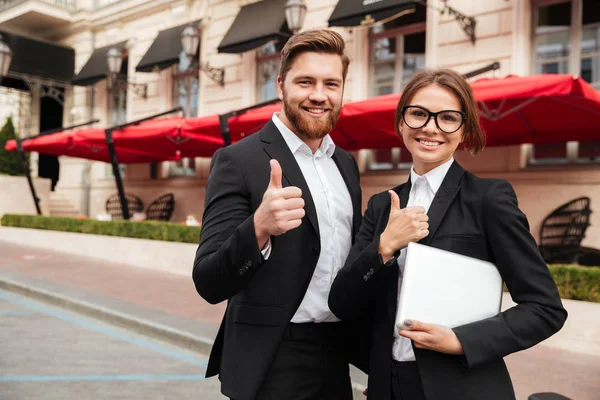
(431, 147)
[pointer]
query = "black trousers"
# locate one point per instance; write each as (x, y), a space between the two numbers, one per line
(310, 364)
(406, 381)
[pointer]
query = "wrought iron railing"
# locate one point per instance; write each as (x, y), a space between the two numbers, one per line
(68, 4)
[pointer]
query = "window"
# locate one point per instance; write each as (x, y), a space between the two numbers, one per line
(117, 99)
(186, 86)
(389, 159)
(397, 51)
(268, 61)
(554, 45)
(117, 107)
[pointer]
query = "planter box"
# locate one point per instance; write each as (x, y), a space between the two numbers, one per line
(153, 254)
(15, 196)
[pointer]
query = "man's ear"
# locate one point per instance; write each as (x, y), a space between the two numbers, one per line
(279, 88)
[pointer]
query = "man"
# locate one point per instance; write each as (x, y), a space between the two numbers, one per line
(282, 207)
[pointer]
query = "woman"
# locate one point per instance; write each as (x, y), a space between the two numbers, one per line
(444, 206)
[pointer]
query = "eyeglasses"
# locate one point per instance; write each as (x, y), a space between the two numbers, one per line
(448, 121)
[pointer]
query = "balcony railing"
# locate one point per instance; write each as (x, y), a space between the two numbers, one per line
(68, 4)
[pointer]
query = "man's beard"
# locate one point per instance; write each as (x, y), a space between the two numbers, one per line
(307, 127)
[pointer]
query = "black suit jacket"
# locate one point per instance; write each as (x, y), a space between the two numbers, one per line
(262, 295)
(471, 216)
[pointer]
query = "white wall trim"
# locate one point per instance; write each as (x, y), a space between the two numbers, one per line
(152, 254)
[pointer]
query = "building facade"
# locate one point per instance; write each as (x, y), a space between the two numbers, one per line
(242, 38)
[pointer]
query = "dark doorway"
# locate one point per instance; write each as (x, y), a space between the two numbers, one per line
(51, 117)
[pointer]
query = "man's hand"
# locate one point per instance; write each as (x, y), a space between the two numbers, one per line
(404, 226)
(432, 337)
(281, 209)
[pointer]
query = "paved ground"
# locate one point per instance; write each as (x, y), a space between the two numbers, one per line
(166, 305)
(52, 354)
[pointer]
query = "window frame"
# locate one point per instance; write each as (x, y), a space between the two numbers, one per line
(399, 34)
(573, 59)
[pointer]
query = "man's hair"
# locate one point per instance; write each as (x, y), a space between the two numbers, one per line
(473, 138)
(317, 41)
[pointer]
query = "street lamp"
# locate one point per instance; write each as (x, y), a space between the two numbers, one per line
(295, 11)
(5, 57)
(114, 60)
(190, 39)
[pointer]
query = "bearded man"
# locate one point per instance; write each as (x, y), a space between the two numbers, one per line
(282, 207)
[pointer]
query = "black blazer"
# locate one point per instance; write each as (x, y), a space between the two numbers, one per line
(262, 295)
(478, 218)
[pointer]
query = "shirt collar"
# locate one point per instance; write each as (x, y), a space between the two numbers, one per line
(435, 177)
(296, 144)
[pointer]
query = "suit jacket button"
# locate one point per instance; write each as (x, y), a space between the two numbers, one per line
(371, 271)
(366, 278)
(315, 251)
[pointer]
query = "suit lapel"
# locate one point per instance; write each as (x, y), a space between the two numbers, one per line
(442, 200)
(276, 148)
(353, 189)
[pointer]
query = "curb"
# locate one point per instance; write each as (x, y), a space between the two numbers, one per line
(148, 328)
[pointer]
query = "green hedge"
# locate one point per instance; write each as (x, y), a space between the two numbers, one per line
(573, 281)
(576, 282)
(140, 230)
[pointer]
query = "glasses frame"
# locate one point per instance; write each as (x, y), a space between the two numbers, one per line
(434, 115)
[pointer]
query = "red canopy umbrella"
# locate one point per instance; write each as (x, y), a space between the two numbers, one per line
(169, 138)
(368, 124)
(66, 144)
(514, 110)
(549, 108)
(349, 133)
(251, 121)
(202, 126)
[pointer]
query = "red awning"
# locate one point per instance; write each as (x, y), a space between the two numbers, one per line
(349, 133)
(68, 144)
(170, 138)
(546, 108)
(514, 110)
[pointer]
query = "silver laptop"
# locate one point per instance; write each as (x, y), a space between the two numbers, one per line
(445, 288)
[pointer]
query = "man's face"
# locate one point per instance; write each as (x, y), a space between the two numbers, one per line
(312, 94)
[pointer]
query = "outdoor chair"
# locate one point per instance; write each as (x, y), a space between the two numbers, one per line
(162, 208)
(113, 206)
(563, 230)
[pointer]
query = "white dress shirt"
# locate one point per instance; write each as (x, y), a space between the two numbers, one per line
(334, 215)
(422, 191)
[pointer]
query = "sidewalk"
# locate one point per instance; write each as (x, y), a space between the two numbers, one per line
(166, 306)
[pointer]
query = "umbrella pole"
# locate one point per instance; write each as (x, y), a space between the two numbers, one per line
(224, 124)
(224, 119)
(116, 172)
(25, 167)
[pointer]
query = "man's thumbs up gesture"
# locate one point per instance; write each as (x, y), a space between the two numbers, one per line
(404, 225)
(281, 209)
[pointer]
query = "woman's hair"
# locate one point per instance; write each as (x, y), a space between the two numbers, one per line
(317, 41)
(473, 138)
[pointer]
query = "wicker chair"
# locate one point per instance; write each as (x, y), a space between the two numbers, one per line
(162, 208)
(563, 230)
(113, 206)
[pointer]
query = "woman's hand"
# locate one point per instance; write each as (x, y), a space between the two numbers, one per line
(404, 225)
(432, 337)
